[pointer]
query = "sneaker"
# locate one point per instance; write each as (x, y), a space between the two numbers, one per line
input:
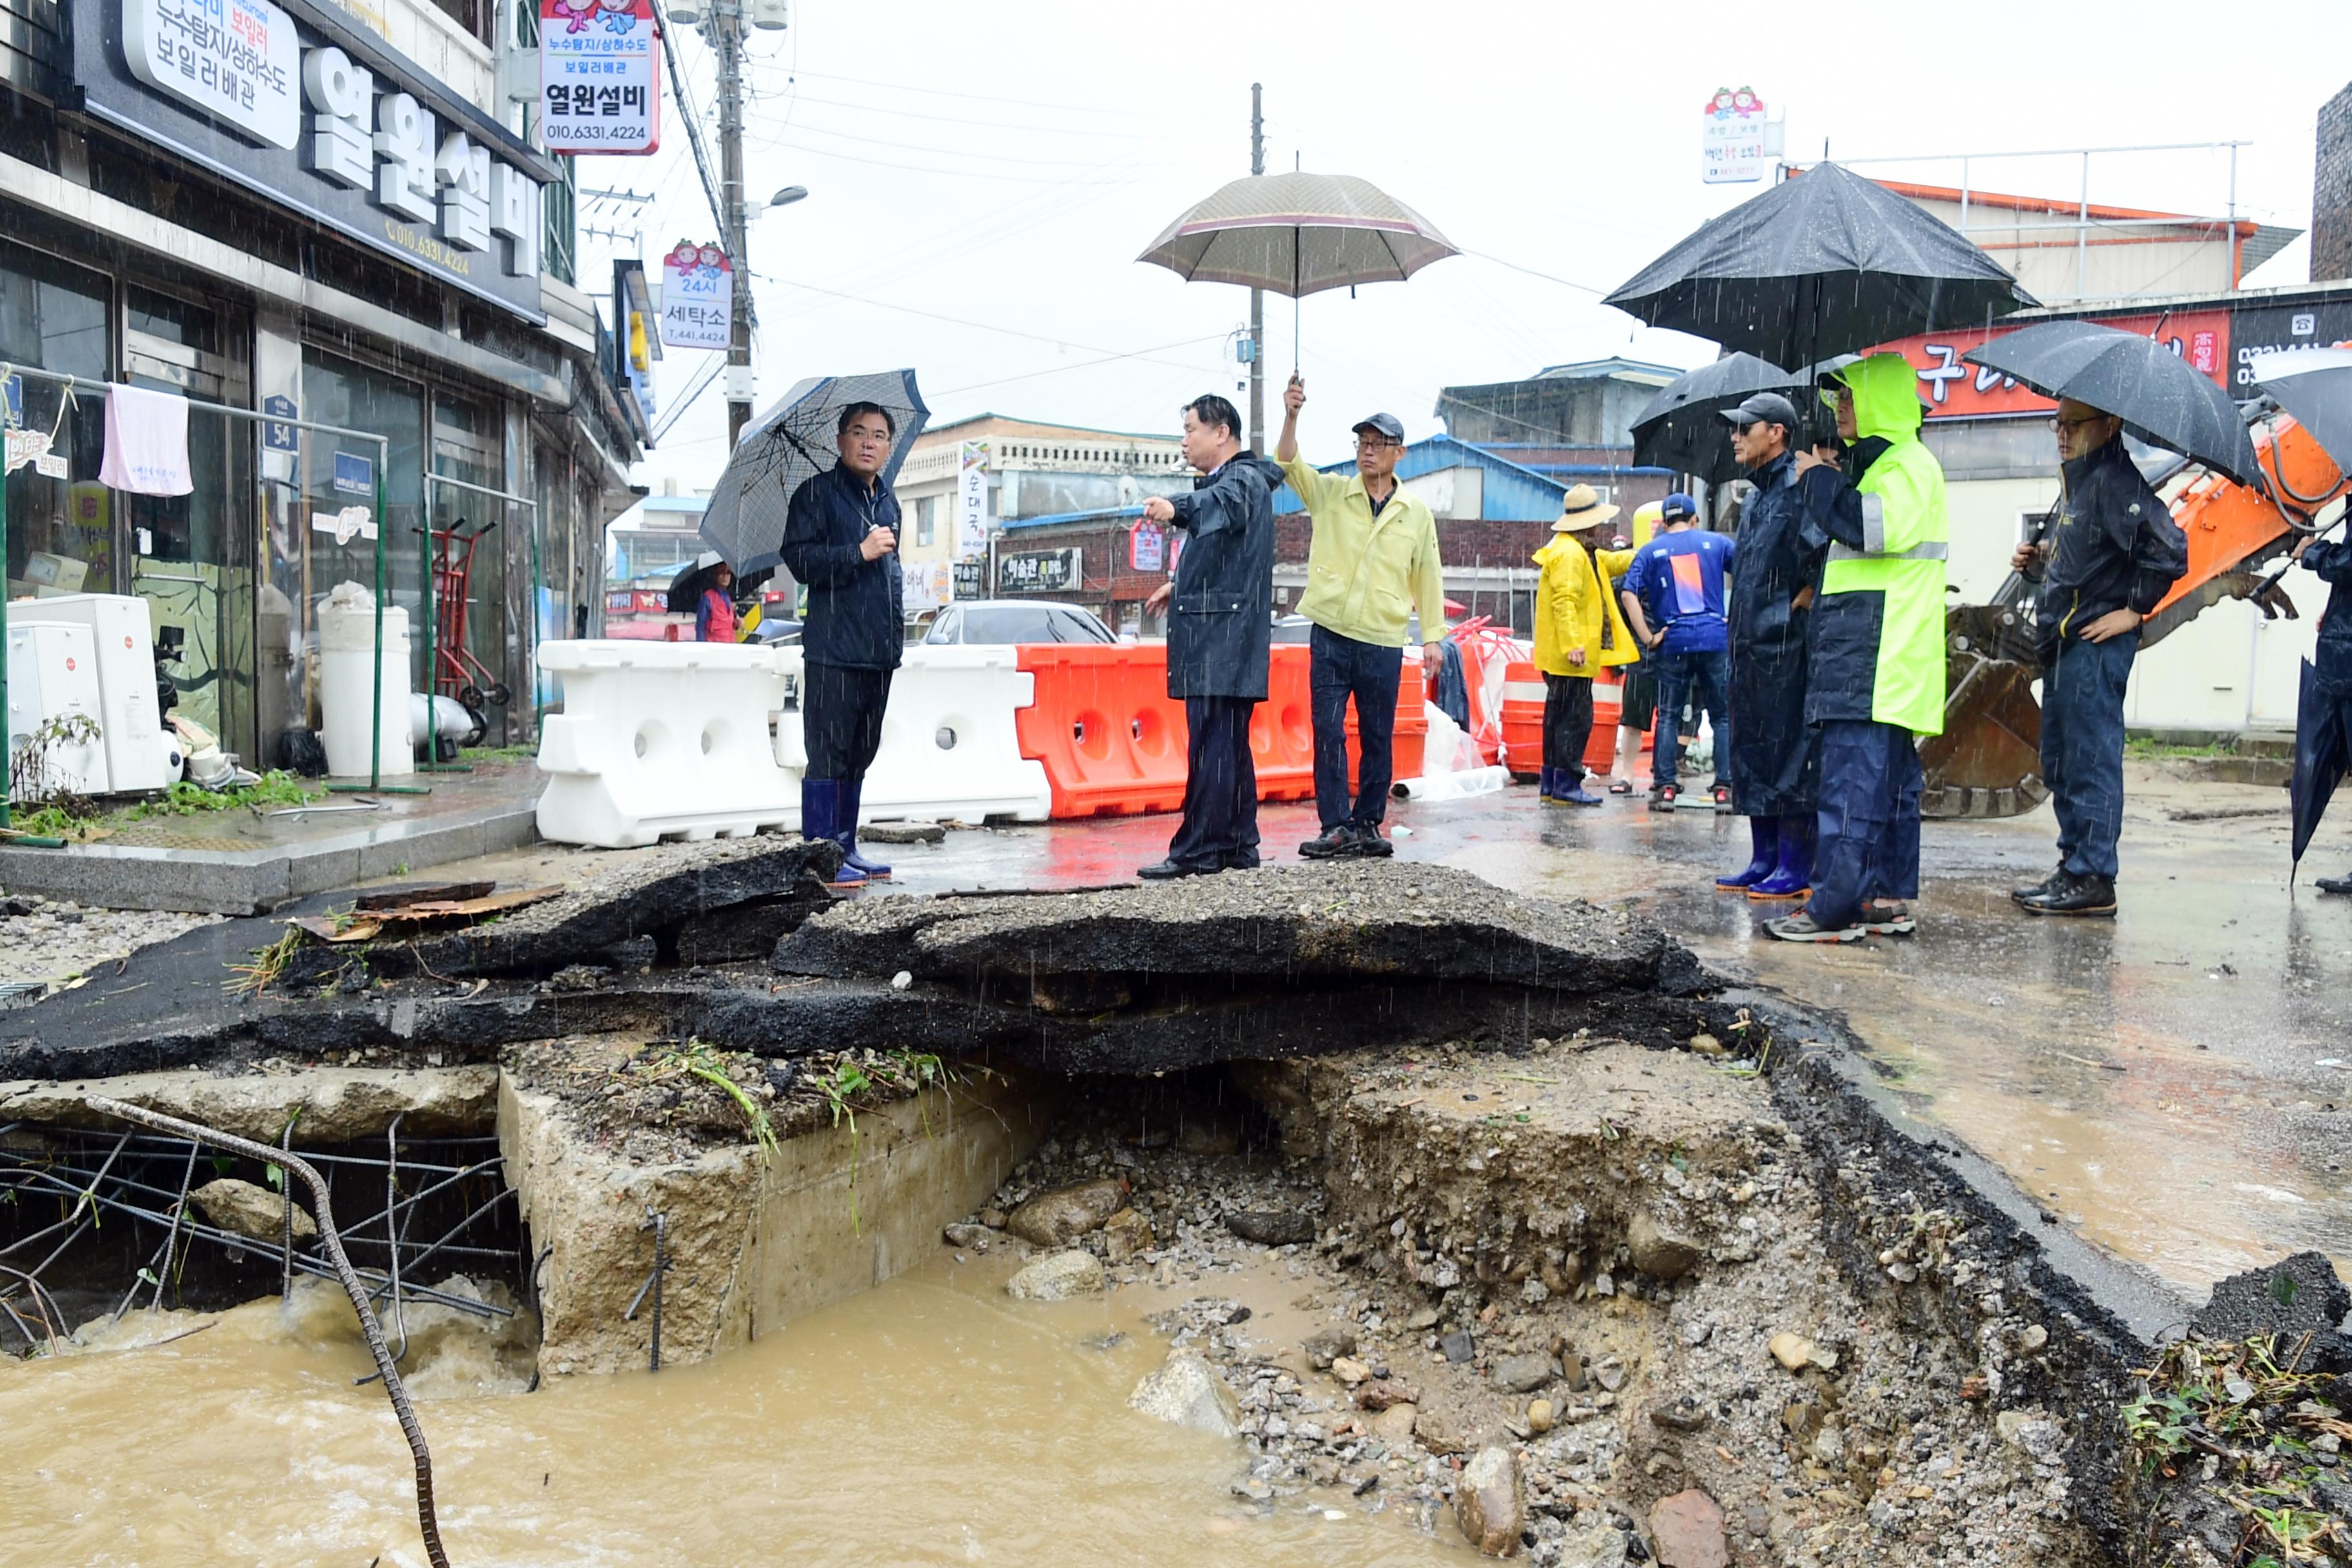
(1722, 794)
(1799, 927)
(1369, 844)
(1331, 843)
(2067, 894)
(2339, 886)
(2019, 895)
(1664, 797)
(1887, 916)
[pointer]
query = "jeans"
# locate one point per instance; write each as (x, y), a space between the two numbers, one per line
(841, 718)
(1868, 843)
(1708, 673)
(1219, 825)
(1342, 668)
(2083, 748)
(1567, 724)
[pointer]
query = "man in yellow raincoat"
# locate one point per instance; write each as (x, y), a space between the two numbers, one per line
(1579, 631)
(1876, 681)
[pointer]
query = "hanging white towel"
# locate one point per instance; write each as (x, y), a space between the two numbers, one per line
(146, 442)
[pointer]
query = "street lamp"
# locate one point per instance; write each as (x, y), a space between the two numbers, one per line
(788, 195)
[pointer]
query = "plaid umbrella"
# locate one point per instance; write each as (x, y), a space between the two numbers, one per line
(794, 440)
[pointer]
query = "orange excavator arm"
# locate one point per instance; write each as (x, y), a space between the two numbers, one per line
(2232, 528)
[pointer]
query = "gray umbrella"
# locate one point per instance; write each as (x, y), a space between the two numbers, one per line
(1297, 235)
(791, 442)
(2158, 394)
(1823, 262)
(2315, 386)
(1681, 428)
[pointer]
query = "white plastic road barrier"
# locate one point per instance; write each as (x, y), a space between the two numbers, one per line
(346, 693)
(948, 745)
(661, 739)
(139, 755)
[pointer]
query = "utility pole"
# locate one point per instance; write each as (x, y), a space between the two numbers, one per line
(1257, 296)
(727, 38)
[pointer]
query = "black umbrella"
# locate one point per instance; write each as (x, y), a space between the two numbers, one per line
(2315, 386)
(2155, 392)
(686, 588)
(745, 518)
(2323, 749)
(1821, 263)
(1681, 428)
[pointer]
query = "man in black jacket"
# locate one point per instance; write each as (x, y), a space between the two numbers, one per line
(2327, 690)
(841, 540)
(1220, 631)
(2111, 553)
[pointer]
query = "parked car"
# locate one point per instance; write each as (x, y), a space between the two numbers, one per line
(774, 629)
(1017, 621)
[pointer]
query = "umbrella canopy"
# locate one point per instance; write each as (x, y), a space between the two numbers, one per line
(1297, 235)
(2315, 386)
(686, 588)
(2323, 749)
(1823, 262)
(794, 439)
(2156, 393)
(1681, 428)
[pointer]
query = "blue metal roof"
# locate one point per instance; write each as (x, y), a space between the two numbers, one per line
(1103, 514)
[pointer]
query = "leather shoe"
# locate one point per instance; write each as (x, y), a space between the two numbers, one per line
(2020, 895)
(1168, 871)
(2070, 895)
(1370, 846)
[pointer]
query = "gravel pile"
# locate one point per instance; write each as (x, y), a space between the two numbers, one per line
(54, 941)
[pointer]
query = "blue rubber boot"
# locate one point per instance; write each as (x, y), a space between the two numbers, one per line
(1764, 832)
(1793, 878)
(845, 832)
(821, 818)
(1547, 786)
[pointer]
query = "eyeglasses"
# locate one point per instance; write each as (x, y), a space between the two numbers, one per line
(2063, 426)
(1374, 443)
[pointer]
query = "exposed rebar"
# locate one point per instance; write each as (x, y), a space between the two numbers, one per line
(659, 1223)
(425, 1523)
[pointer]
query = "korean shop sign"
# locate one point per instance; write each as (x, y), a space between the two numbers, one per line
(300, 104)
(599, 87)
(697, 297)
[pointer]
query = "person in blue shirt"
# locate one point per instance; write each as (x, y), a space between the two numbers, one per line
(1675, 605)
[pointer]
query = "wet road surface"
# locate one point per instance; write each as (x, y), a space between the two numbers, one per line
(2172, 1084)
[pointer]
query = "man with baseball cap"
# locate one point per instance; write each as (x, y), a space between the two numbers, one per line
(1676, 581)
(1775, 760)
(1373, 560)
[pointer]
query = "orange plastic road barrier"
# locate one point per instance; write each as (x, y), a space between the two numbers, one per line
(1112, 741)
(1523, 706)
(1410, 743)
(1282, 731)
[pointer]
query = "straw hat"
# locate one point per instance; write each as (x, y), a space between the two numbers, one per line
(1580, 509)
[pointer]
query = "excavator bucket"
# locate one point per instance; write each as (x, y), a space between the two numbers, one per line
(1988, 761)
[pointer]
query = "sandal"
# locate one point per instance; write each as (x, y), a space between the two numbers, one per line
(1621, 787)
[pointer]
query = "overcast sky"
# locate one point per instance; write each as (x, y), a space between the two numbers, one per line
(983, 176)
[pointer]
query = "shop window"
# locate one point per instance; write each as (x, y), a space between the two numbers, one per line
(923, 520)
(53, 318)
(335, 472)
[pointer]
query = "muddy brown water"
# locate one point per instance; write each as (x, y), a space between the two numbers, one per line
(931, 1420)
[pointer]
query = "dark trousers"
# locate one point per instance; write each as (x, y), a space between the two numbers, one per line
(1705, 676)
(1220, 826)
(1342, 668)
(1868, 843)
(841, 718)
(1568, 723)
(2083, 749)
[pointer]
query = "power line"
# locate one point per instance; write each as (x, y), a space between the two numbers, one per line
(691, 116)
(989, 124)
(678, 411)
(982, 326)
(1547, 277)
(1088, 365)
(927, 169)
(865, 140)
(984, 97)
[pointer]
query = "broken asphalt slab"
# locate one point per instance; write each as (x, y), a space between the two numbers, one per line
(173, 1005)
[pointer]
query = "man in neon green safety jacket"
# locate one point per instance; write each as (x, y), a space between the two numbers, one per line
(1876, 681)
